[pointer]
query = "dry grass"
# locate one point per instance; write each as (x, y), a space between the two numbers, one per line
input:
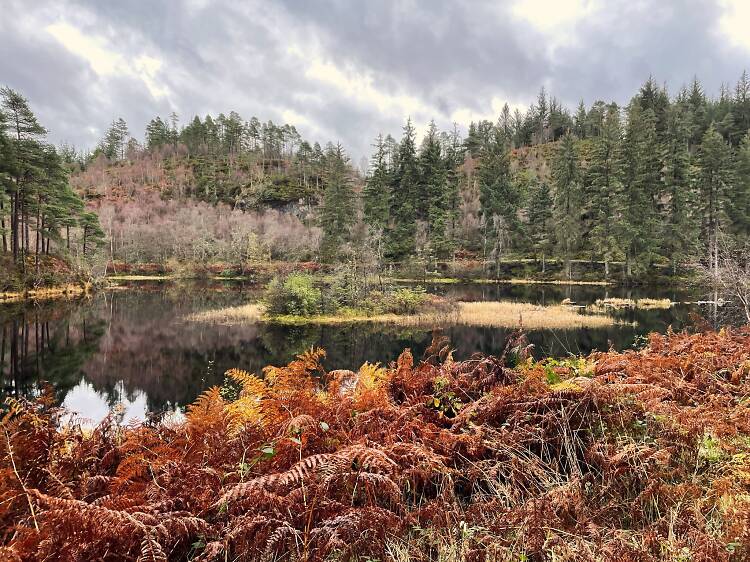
(481, 281)
(480, 314)
(526, 315)
(602, 305)
(244, 314)
(46, 293)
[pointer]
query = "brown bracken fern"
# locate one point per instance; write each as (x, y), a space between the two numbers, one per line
(635, 456)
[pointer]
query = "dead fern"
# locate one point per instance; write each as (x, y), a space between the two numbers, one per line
(643, 457)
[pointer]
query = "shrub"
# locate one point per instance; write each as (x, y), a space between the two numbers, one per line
(296, 294)
(406, 300)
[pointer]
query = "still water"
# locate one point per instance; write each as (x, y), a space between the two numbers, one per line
(132, 346)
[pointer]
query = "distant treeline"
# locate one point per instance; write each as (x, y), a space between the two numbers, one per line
(657, 182)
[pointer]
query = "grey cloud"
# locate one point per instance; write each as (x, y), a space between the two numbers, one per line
(223, 56)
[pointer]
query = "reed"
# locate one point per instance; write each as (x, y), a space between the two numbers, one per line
(602, 305)
(244, 314)
(480, 314)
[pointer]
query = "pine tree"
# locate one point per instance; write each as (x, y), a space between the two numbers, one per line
(542, 115)
(5, 182)
(739, 201)
(697, 107)
(433, 197)
(636, 206)
(23, 158)
(454, 158)
(375, 194)
(579, 127)
(714, 183)
(36, 196)
(539, 212)
(498, 196)
(157, 133)
(568, 200)
(402, 229)
(740, 112)
(605, 181)
(678, 228)
(337, 209)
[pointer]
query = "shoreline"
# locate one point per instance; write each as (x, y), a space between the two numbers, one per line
(64, 291)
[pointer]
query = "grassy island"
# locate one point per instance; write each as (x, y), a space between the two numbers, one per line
(297, 300)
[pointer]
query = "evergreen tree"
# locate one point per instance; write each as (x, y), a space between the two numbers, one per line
(337, 209)
(375, 194)
(157, 133)
(542, 115)
(739, 202)
(636, 206)
(5, 183)
(22, 162)
(678, 228)
(402, 229)
(568, 201)
(451, 196)
(605, 181)
(36, 197)
(580, 119)
(714, 183)
(740, 112)
(539, 212)
(498, 196)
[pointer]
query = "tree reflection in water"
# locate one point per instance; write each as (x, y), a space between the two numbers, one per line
(134, 348)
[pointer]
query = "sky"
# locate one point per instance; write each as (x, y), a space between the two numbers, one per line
(346, 70)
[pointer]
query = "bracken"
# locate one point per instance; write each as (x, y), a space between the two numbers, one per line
(648, 458)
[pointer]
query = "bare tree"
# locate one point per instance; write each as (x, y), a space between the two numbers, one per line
(729, 275)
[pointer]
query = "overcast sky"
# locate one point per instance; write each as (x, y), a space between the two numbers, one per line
(345, 70)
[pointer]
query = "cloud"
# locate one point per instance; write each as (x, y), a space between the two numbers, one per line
(734, 22)
(106, 61)
(347, 70)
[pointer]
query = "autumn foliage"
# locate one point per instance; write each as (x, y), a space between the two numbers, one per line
(635, 456)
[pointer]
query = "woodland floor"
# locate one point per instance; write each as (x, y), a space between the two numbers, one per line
(635, 456)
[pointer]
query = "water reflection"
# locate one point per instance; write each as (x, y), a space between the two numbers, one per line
(132, 347)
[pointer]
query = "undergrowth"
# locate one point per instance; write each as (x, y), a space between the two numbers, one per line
(635, 456)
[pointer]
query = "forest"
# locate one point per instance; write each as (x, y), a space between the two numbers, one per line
(651, 187)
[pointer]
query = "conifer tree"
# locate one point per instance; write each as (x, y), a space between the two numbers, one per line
(579, 121)
(568, 200)
(739, 203)
(539, 211)
(36, 198)
(498, 196)
(636, 206)
(375, 194)
(434, 195)
(337, 209)
(714, 183)
(678, 233)
(451, 196)
(605, 181)
(401, 236)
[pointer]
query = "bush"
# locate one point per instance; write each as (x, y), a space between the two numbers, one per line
(295, 295)
(401, 301)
